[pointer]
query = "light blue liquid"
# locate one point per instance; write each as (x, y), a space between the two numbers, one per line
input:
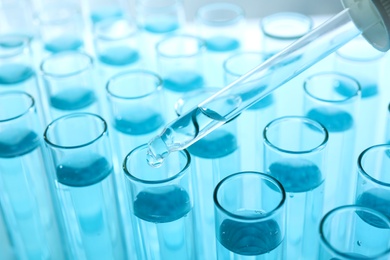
(377, 199)
(163, 25)
(64, 43)
(333, 119)
(104, 13)
(139, 126)
(222, 44)
(26, 199)
(183, 81)
(303, 183)
(119, 56)
(249, 239)
(73, 99)
(90, 207)
(15, 73)
(217, 144)
(164, 216)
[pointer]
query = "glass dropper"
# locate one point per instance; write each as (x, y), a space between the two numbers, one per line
(370, 18)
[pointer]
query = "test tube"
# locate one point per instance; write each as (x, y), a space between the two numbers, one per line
(16, 17)
(213, 158)
(373, 183)
(81, 159)
(180, 63)
(363, 62)
(332, 99)
(160, 16)
(60, 27)
(359, 17)
(348, 233)
(221, 25)
(250, 217)
(136, 108)
(27, 200)
(116, 44)
(251, 122)
(99, 10)
(161, 201)
(17, 69)
(68, 78)
(6, 243)
(157, 19)
(295, 155)
(283, 28)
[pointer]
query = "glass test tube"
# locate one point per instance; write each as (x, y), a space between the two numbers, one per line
(180, 63)
(332, 99)
(157, 19)
(27, 201)
(136, 108)
(373, 183)
(251, 122)
(221, 25)
(16, 67)
(213, 158)
(99, 10)
(278, 31)
(161, 201)
(283, 28)
(363, 62)
(16, 17)
(82, 161)
(61, 27)
(116, 45)
(352, 232)
(250, 217)
(68, 78)
(273, 73)
(295, 155)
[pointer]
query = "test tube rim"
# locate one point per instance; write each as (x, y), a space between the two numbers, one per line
(361, 168)
(303, 119)
(347, 208)
(201, 45)
(303, 17)
(111, 21)
(202, 10)
(158, 87)
(24, 39)
(89, 64)
(26, 111)
(262, 217)
(237, 54)
(103, 132)
(339, 74)
(154, 182)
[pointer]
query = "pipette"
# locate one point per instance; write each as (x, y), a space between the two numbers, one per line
(369, 18)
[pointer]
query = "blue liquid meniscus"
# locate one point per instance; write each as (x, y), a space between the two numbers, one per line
(183, 81)
(73, 98)
(139, 124)
(222, 44)
(15, 73)
(119, 56)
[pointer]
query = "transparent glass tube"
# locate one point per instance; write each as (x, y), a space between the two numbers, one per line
(161, 201)
(294, 154)
(256, 84)
(81, 159)
(27, 202)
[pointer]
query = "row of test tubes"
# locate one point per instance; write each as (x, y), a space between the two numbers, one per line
(84, 85)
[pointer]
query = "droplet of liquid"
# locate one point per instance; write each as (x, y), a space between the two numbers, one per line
(359, 243)
(153, 161)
